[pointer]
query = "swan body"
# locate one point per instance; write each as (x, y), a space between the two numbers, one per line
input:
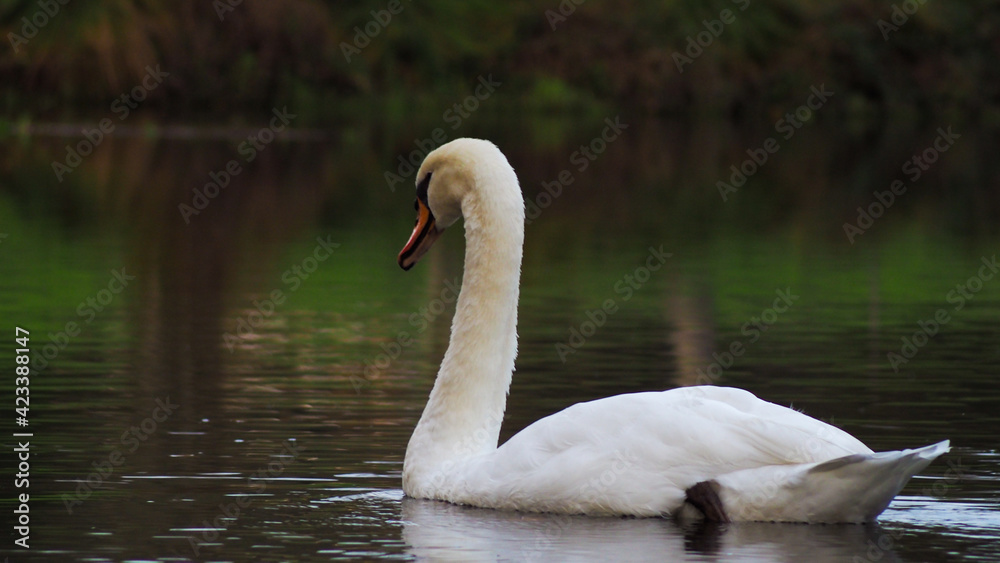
(719, 452)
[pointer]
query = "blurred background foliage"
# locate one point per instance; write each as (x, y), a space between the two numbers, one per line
(225, 60)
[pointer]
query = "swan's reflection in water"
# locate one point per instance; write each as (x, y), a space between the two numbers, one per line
(438, 531)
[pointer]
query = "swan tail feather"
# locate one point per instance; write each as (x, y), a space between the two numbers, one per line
(854, 488)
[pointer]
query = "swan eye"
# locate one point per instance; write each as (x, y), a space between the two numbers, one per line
(422, 188)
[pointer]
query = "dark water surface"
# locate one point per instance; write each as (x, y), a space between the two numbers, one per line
(240, 389)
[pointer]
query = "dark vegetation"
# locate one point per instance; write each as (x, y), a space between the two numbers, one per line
(942, 60)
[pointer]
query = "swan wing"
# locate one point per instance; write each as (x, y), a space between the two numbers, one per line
(638, 453)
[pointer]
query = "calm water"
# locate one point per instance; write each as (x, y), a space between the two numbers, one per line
(233, 386)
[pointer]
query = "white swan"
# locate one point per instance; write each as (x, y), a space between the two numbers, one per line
(719, 450)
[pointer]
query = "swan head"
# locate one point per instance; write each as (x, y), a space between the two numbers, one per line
(446, 178)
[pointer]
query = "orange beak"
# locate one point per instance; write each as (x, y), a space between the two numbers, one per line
(425, 232)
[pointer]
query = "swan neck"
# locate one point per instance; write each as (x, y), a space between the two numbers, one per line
(465, 410)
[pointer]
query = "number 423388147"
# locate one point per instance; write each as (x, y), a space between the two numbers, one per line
(22, 381)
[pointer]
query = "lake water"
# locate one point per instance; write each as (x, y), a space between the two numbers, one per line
(233, 384)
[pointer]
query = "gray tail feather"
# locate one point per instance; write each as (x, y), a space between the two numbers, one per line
(852, 488)
(883, 474)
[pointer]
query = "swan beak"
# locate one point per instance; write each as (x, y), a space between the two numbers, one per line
(424, 234)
